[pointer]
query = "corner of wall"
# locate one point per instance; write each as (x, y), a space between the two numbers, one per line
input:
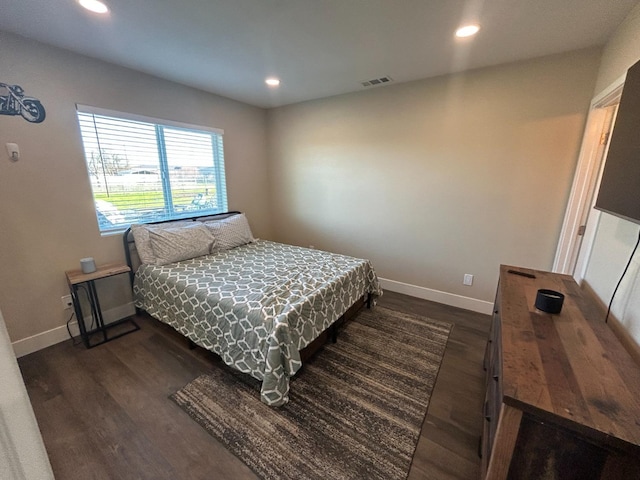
(629, 343)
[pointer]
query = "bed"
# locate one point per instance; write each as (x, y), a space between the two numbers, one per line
(259, 305)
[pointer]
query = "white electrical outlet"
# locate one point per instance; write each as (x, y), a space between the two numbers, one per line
(468, 279)
(66, 301)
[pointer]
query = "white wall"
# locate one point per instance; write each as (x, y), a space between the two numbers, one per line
(436, 178)
(22, 453)
(47, 218)
(615, 238)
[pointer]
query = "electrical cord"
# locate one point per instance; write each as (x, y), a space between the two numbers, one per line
(606, 319)
(73, 314)
(93, 320)
(73, 340)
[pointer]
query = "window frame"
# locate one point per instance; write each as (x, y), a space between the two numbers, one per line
(218, 163)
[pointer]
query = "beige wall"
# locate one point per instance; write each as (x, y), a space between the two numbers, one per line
(615, 238)
(436, 178)
(429, 179)
(47, 221)
(621, 51)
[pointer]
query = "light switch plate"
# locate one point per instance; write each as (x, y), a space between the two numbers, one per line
(13, 151)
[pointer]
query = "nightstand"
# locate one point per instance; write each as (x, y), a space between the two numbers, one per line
(78, 280)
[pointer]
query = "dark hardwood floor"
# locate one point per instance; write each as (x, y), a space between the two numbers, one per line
(104, 413)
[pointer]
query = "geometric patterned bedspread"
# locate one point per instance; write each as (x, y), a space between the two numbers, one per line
(256, 305)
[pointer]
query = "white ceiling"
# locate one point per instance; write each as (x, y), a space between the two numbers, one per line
(317, 48)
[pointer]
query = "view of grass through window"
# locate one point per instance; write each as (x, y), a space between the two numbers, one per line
(145, 171)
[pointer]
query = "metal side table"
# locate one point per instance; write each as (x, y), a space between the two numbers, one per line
(78, 280)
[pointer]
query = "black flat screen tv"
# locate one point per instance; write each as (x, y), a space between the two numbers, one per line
(619, 192)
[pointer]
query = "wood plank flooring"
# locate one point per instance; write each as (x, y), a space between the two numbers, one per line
(104, 413)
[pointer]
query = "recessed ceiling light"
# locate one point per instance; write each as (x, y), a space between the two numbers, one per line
(467, 31)
(95, 6)
(272, 82)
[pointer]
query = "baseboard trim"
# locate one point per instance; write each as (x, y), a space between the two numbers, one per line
(42, 340)
(451, 299)
(59, 334)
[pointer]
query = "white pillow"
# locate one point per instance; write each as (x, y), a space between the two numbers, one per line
(230, 232)
(181, 243)
(143, 243)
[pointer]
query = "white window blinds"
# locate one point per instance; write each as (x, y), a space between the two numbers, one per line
(143, 170)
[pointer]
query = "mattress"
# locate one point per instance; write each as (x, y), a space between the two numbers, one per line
(256, 305)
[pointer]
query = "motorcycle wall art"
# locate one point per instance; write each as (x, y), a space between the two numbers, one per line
(14, 102)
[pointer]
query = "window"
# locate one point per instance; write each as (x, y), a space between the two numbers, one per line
(145, 170)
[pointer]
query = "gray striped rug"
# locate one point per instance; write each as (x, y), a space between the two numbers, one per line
(355, 412)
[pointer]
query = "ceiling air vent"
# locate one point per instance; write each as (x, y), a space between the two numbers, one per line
(377, 81)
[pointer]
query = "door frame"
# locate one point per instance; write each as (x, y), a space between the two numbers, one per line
(573, 250)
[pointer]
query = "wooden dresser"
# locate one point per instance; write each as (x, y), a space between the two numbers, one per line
(563, 395)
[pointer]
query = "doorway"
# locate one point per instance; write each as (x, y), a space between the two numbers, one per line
(581, 219)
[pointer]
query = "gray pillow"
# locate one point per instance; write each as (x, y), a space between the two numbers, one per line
(230, 232)
(181, 243)
(143, 243)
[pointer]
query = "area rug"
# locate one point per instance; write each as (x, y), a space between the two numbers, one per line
(355, 411)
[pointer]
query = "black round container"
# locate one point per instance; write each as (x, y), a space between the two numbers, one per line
(549, 301)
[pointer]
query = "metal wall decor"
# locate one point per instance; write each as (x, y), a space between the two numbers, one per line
(14, 102)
